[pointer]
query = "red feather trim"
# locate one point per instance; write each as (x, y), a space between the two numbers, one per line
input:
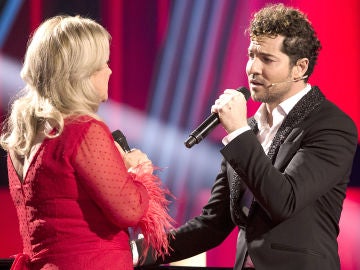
(21, 262)
(156, 223)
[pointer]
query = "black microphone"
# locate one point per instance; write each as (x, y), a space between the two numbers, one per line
(120, 138)
(209, 124)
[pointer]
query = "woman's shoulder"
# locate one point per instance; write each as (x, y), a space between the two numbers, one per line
(81, 122)
(78, 126)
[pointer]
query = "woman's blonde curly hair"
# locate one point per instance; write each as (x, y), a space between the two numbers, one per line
(61, 56)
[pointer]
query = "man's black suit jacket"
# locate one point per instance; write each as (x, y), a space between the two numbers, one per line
(299, 188)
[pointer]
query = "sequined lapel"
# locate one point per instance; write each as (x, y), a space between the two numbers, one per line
(253, 125)
(303, 108)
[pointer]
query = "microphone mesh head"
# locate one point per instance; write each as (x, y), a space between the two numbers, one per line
(244, 91)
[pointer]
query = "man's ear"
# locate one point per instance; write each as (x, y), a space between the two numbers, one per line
(301, 67)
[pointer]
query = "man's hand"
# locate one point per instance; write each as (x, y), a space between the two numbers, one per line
(232, 110)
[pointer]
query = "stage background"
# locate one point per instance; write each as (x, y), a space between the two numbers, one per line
(170, 60)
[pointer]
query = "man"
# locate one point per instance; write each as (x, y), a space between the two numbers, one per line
(285, 171)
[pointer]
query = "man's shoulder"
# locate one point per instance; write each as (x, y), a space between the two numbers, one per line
(331, 115)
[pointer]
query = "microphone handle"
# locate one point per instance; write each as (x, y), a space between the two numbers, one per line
(120, 138)
(203, 130)
(209, 124)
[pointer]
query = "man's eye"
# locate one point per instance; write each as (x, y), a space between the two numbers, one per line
(267, 60)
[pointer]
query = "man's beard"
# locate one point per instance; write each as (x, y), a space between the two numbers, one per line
(270, 96)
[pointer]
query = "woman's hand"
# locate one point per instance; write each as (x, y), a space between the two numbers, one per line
(134, 158)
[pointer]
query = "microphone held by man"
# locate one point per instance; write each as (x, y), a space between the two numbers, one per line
(209, 124)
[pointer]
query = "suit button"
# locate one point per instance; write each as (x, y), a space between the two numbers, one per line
(245, 210)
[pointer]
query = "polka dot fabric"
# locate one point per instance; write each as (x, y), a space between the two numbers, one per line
(77, 200)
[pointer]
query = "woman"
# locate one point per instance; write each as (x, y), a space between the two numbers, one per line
(75, 191)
